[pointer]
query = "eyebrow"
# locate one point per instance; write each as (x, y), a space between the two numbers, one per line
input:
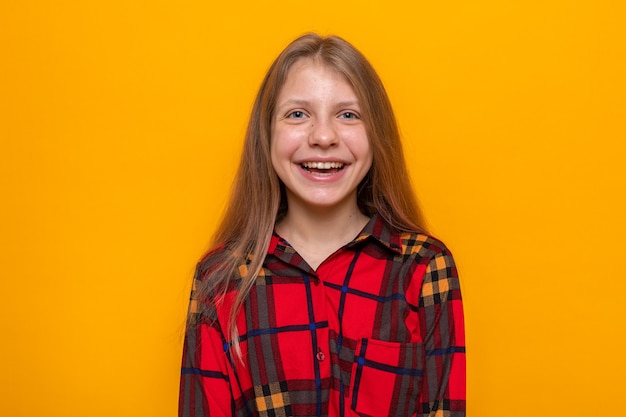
(305, 103)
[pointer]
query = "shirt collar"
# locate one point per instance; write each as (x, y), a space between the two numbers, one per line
(376, 228)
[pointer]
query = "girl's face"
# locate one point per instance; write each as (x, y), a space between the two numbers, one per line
(319, 146)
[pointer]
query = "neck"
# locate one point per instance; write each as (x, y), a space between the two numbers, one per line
(317, 233)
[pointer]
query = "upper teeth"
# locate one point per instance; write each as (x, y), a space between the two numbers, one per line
(322, 165)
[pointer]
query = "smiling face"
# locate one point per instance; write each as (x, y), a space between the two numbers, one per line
(319, 144)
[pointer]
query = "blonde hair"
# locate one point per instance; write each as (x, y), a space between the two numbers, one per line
(257, 200)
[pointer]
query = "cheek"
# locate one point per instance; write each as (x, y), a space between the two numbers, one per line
(276, 149)
(284, 143)
(370, 161)
(360, 143)
(280, 152)
(367, 154)
(275, 143)
(276, 160)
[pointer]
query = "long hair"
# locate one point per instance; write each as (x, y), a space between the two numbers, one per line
(258, 200)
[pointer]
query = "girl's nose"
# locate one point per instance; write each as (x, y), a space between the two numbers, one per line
(323, 134)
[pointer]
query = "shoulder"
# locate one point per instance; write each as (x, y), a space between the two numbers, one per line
(410, 245)
(219, 259)
(209, 263)
(213, 285)
(422, 246)
(216, 274)
(435, 266)
(430, 255)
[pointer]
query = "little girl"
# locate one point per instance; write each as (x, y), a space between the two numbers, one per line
(323, 296)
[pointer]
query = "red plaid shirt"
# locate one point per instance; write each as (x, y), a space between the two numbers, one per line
(376, 330)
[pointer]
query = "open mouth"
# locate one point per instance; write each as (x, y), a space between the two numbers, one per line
(322, 167)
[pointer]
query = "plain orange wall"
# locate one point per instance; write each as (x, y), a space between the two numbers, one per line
(120, 127)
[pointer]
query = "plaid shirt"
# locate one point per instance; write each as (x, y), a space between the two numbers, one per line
(376, 330)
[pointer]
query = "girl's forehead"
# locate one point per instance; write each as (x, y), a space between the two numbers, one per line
(311, 70)
(312, 64)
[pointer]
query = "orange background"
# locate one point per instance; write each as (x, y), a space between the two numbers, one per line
(121, 124)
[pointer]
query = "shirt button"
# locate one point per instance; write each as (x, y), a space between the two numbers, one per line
(320, 355)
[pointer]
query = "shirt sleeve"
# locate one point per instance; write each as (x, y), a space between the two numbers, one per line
(441, 320)
(205, 388)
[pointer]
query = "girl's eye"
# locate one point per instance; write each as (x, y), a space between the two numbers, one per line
(349, 115)
(296, 115)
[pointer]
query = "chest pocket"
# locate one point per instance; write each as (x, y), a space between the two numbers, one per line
(386, 377)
